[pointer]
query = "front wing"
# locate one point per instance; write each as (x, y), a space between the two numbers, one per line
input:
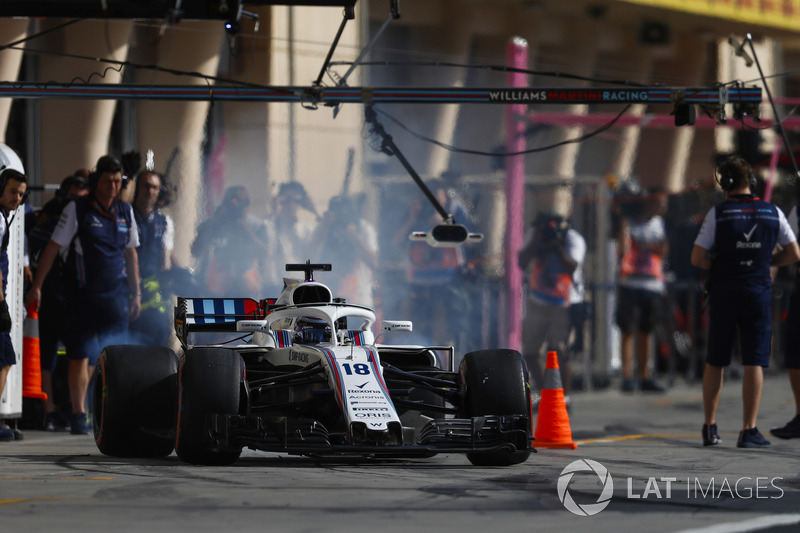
(310, 437)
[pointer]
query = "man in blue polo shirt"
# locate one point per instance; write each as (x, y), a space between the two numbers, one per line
(98, 236)
(737, 243)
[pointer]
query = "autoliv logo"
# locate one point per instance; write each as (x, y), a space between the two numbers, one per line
(585, 465)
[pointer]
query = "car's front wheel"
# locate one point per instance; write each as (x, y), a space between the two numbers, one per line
(495, 382)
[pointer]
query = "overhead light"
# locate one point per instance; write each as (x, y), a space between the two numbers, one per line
(651, 32)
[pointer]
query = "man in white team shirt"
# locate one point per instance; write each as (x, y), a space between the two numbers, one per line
(641, 249)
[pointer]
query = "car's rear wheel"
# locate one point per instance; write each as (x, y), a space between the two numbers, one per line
(134, 399)
(209, 381)
(495, 382)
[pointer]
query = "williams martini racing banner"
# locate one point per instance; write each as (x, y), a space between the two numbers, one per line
(389, 95)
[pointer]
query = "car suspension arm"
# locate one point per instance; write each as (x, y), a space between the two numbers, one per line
(389, 147)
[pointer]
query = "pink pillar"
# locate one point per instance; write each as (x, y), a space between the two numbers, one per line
(517, 54)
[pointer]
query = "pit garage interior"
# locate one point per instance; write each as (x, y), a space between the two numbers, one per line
(211, 145)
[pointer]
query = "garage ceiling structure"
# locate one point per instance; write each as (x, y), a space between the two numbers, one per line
(147, 9)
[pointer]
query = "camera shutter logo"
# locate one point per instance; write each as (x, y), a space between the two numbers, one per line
(585, 465)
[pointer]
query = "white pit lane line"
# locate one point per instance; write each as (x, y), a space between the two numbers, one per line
(754, 524)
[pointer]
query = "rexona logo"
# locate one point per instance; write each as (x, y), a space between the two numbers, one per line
(585, 465)
(748, 244)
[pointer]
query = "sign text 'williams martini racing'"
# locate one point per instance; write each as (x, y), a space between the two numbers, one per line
(581, 96)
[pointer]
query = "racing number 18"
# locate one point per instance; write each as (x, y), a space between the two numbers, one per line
(361, 369)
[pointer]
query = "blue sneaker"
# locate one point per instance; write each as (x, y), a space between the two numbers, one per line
(628, 385)
(751, 438)
(650, 385)
(79, 425)
(6, 434)
(710, 435)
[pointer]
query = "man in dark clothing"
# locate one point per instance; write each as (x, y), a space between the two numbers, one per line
(99, 236)
(156, 238)
(736, 243)
(52, 309)
(14, 185)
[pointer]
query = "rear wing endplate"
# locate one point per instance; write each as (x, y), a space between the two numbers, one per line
(217, 314)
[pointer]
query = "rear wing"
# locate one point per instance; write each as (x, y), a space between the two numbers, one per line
(217, 314)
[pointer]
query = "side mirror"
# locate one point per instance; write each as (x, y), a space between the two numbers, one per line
(446, 236)
(396, 325)
(250, 325)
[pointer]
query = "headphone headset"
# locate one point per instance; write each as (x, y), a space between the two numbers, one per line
(61, 192)
(68, 182)
(162, 190)
(727, 180)
(7, 173)
(105, 164)
(4, 170)
(94, 177)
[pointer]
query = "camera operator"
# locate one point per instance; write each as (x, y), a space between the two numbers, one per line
(554, 252)
(350, 242)
(743, 233)
(641, 248)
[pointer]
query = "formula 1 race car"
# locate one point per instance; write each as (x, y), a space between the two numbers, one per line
(302, 374)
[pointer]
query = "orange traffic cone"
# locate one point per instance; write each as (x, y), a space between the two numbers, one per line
(552, 423)
(31, 357)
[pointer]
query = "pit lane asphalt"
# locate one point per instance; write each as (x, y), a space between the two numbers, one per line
(663, 480)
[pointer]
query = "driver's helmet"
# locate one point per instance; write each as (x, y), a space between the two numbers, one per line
(310, 330)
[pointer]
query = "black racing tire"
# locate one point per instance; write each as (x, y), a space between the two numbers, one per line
(135, 397)
(208, 383)
(495, 382)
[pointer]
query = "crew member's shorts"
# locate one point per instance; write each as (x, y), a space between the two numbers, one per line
(7, 355)
(95, 321)
(545, 324)
(638, 310)
(792, 351)
(749, 315)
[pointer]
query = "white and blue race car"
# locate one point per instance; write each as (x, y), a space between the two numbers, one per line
(302, 374)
